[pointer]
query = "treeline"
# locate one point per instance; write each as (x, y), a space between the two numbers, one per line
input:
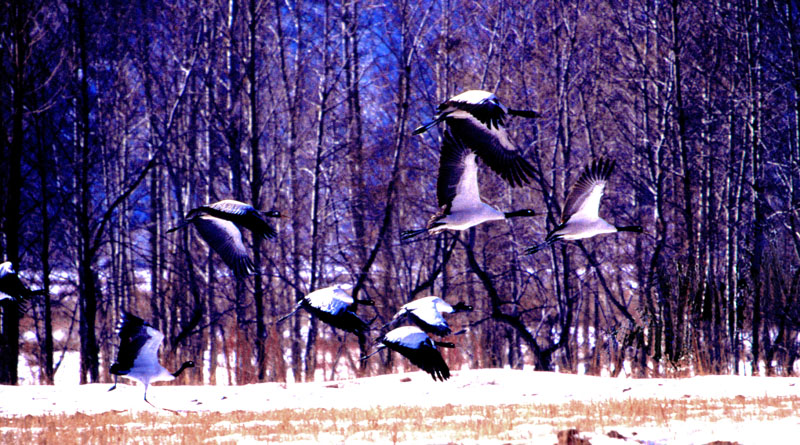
(118, 117)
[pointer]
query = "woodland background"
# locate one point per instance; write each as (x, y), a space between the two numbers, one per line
(120, 116)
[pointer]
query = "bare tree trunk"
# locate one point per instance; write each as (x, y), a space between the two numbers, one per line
(734, 184)
(688, 285)
(256, 178)
(323, 93)
(44, 166)
(291, 78)
(9, 340)
(354, 138)
(759, 206)
(90, 371)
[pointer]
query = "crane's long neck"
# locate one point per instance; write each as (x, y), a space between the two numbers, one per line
(461, 307)
(182, 368)
(524, 113)
(516, 213)
(637, 229)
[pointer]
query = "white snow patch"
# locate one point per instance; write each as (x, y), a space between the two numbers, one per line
(496, 387)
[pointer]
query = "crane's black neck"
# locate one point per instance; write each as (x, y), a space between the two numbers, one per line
(523, 212)
(444, 344)
(524, 113)
(461, 307)
(637, 229)
(189, 364)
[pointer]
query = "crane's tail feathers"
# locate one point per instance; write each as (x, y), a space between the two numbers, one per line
(408, 234)
(524, 113)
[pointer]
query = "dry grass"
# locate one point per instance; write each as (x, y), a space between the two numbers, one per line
(443, 424)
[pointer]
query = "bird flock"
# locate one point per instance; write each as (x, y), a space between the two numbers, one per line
(474, 130)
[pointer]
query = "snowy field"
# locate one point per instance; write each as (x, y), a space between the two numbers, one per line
(474, 406)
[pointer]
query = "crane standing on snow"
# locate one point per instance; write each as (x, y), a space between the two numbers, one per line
(137, 357)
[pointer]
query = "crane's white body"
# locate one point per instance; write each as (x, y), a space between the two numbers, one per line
(410, 337)
(6, 269)
(467, 218)
(333, 300)
(479, 97)
(580, 216)
(146, 368)
(11, 286)
(467, 209)
(475, 97)
(429, 310)
(474, 129)
(333, 305)
(581, 229)
(586, 221)
(414, 344)
(225, 238)
(461, 206)
(137, 357)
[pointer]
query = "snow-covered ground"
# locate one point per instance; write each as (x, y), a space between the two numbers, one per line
(489, 387)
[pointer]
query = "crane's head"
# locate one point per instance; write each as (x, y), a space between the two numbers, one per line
(462, 307)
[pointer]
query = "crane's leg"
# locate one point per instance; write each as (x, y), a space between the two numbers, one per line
(145, 395)
(408, 234)
(296, 308)
(156, 407)
(535, 248)
(379, 349)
